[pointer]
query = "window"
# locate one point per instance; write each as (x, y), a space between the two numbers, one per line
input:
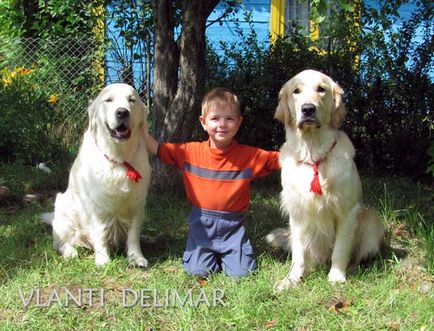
(297, 16)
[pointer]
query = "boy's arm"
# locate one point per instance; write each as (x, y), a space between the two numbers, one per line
(265, 162)
(151, 143)
(168, 153)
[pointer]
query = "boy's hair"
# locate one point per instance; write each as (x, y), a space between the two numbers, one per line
(220, 95)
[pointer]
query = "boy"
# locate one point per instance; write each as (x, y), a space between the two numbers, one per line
(217, 174)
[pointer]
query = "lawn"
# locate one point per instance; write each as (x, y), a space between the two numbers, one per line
(394, 292)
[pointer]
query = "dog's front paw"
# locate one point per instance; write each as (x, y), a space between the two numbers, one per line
(101, 259)
(285, 284)
(138, 261)
(68, 251)
(336, 276)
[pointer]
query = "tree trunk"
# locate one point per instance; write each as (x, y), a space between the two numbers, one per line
(179, 75)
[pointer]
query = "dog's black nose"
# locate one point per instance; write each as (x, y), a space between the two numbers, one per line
(308, 109)
(122, 113)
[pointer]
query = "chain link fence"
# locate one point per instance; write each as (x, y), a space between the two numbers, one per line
(71, 72)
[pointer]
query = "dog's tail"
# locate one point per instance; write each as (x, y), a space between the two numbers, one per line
(279, 238)
(47, 218)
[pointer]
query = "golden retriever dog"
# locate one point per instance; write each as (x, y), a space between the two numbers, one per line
(321, 189)
(104, 204)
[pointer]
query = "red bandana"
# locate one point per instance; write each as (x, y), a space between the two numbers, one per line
(315, 185)
(132, 173)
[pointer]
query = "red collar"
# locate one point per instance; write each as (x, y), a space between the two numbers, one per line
(132, 173)
(315, 185)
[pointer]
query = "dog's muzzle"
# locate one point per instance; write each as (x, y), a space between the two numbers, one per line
(122, 131)
(308, 116)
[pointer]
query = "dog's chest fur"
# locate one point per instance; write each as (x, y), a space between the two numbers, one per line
(334, 170)
(113, 193)
(296, 183)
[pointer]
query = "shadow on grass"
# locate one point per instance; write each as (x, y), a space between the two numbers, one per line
(24, 240)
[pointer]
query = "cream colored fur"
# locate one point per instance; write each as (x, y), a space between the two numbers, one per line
(103, 208)
(335, 226)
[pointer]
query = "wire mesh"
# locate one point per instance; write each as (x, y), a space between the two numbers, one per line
(71, 72)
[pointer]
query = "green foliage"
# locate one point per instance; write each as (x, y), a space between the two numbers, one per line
(129, 37)
(322, 10)
(64, 43)
(64, 70)
(49, 19)
(11, 19)
(394, 94)
(66, 18)
(26, 118)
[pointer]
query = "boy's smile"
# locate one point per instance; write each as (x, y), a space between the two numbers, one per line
(221, 123)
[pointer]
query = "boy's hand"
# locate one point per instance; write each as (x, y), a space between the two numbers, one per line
(151, 143)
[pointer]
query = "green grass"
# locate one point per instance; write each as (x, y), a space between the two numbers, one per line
(394, 292)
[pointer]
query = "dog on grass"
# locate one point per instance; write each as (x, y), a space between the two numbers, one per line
(321, 189)
(104, 204)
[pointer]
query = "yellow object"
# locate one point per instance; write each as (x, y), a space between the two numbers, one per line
(7, 81)
(52, 100)
(9, 76)
(358, 29)
(99, 31)
(314, 30)
(277, 19)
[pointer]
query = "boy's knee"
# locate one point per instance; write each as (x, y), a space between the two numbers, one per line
(199, 264)
(197, 273)
(241, 263)
(239, 273)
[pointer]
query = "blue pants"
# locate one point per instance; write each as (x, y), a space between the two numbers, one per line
(217, 241)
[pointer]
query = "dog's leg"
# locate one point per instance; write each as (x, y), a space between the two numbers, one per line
(99, 243)
(298, 265)
(67, 250)
(370, 233)
(345, 235)
(64, 233)
(63, 238)
(134, 251)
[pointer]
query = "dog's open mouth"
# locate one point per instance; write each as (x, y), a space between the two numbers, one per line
(122, 132)
(309, 123)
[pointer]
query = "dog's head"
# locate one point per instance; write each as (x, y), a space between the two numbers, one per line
(310, 100)
(116, 112)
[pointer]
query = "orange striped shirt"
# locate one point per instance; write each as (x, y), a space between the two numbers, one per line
(216, 179)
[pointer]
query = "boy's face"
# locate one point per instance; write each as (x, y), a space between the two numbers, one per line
(221, 123)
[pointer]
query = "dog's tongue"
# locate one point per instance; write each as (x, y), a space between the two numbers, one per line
(121, 132)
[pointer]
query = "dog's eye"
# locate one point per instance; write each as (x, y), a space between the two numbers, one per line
(296, 91)
(108, 99)
(320, 89)
(132, 99)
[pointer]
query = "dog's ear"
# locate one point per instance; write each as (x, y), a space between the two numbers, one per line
(282, 111)
(91, 112)
(339, 112)
(143, 114)
(144, 108)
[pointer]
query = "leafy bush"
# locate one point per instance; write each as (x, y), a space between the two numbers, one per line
(26, 113)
